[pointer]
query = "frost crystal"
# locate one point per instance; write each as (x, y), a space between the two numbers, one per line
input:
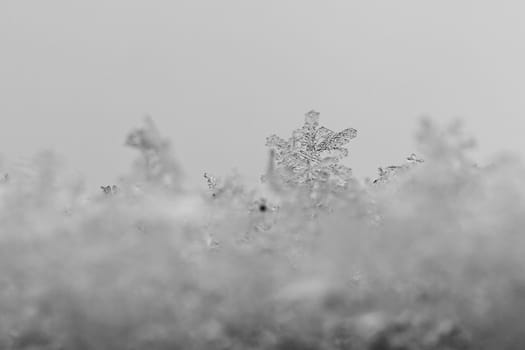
(387, 173)
(414, 159)
(312, 154)
(211, 180)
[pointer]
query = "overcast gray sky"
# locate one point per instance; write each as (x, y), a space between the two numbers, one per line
(220, 76)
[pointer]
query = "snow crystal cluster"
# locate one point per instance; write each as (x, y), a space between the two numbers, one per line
(428, 256)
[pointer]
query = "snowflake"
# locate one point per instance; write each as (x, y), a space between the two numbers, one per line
(312, 154)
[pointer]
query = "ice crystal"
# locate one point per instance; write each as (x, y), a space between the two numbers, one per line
(414, 159)
(312, 154)
(387, 173)
(212, 183)
(225, 187)
(108, 190)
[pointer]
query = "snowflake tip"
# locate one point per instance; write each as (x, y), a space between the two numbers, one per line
(312, 117)
(413, 158)
(348, 134)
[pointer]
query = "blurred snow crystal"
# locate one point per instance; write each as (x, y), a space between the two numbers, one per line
(312, 154)
(157, 164)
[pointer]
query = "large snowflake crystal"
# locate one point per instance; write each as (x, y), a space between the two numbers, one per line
(311, 156)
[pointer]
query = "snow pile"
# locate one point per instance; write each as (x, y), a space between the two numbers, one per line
(429, 257)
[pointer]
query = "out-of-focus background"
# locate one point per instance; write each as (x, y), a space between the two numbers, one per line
(220, 76)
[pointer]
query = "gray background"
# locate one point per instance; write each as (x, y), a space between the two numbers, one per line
(220, 76)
